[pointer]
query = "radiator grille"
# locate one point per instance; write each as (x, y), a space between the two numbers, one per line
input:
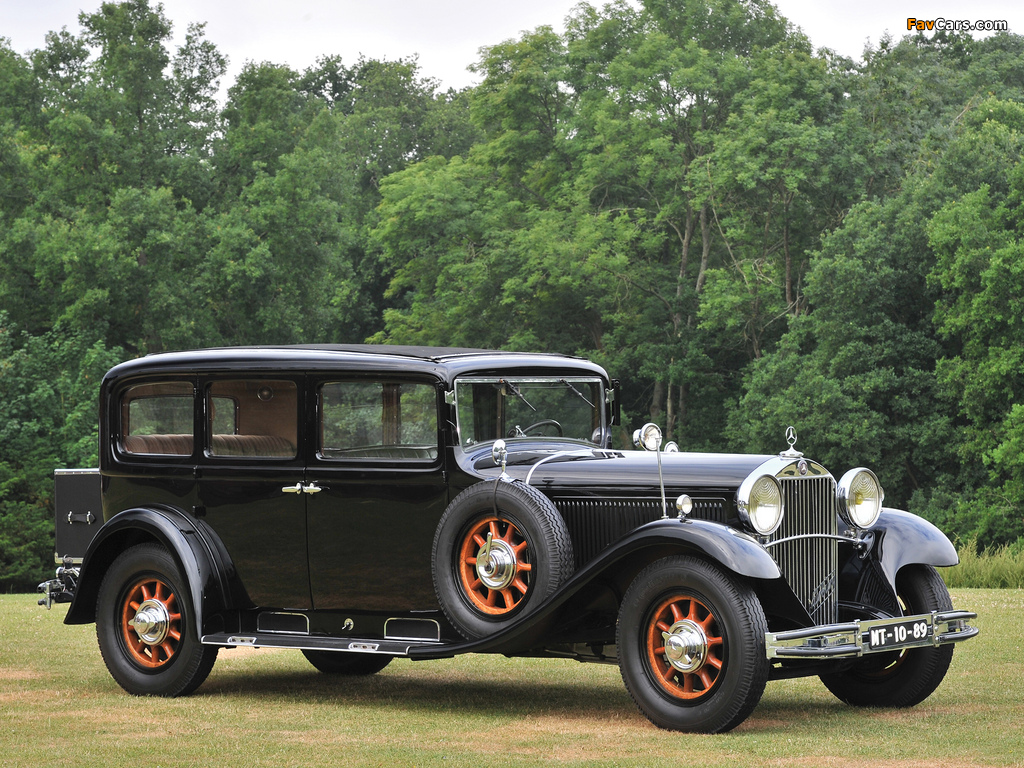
(810, 565)
(595, 523)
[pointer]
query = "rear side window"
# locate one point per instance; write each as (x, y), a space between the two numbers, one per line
(253, 417)
(158, 418)
(378, 420)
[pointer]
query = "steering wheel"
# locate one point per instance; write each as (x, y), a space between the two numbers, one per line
(517, 432)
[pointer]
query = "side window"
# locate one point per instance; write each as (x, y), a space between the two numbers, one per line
(378, 420)
(157, 419)
(253, 417)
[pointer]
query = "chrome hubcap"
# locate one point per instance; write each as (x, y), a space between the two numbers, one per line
(686, 646)
(496, 563)
(151, 622)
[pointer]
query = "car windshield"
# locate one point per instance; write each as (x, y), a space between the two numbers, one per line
(511, 407)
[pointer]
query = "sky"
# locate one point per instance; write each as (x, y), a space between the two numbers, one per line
(447, 35)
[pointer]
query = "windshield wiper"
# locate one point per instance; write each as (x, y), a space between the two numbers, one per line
(579, 394)
(508, 388)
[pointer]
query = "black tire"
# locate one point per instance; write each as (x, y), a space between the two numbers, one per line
(347, 663)
(530, 556)
(904, 678)
(163, 657)
(716, 626)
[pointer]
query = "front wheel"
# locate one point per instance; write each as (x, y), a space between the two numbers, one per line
(902, 678)
(145, 628)
(691, 646)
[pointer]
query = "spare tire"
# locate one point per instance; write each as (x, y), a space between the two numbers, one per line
(501, 548)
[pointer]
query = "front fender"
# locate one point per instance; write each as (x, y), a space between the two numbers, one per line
(196, 549)
(905, 539)
(734, 550)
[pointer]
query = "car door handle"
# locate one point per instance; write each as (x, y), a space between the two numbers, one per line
(300, 488)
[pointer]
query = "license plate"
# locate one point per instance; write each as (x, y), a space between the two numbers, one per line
(897, 635)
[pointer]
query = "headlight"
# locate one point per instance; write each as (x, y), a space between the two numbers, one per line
(648, 437)
(860, 497)
(760, 504)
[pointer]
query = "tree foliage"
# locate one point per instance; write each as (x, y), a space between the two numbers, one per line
(747, 231)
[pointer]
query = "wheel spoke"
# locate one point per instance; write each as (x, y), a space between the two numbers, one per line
(677, 613)
(666, 620)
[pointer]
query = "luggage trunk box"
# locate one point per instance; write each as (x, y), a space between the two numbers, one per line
(78, 512)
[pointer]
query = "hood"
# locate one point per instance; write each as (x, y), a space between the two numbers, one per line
(573, 466)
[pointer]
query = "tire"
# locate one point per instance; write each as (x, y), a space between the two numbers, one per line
(347, 663)
(718, 668)
(163, 657)
(904, 678)
(530, 556)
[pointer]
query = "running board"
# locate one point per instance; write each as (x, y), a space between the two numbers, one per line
(317, 643)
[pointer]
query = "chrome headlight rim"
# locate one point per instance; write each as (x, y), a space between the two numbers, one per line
(850, 493)
(761, 494)
(648, 437)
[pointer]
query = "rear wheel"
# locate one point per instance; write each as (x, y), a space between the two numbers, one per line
(903, 678)
(691, 646)
(347, 663)
(145, 627)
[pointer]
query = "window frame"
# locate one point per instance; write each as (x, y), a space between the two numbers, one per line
(121, 433)
(206, 433)
(381, 459)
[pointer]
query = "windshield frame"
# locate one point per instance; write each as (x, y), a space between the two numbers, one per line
(575, 386)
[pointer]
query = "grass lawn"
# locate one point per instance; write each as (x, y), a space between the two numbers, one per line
(59, 707)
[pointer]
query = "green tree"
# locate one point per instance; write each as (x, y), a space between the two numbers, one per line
(48, 390)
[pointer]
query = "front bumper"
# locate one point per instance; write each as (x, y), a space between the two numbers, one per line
(858, 638)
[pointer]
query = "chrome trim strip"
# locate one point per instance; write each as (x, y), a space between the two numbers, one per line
(835, 536)
(557, 455)
(269, 614)
(435, 625)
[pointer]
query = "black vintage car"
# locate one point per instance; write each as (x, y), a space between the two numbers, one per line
(361, 503)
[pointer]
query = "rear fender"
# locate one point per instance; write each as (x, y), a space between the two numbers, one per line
(195, 547)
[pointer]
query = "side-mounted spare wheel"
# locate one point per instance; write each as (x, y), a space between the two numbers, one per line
(500, 549)
(144, 626)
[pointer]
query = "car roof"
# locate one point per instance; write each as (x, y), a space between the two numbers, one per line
(444, 363)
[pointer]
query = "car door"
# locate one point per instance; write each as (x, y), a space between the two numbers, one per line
(379, 470)
(251, 483)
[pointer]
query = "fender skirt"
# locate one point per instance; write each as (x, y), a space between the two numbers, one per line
(200, 556)
(732, 549)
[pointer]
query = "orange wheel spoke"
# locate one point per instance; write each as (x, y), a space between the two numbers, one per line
(666, 617)
(694, 614)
